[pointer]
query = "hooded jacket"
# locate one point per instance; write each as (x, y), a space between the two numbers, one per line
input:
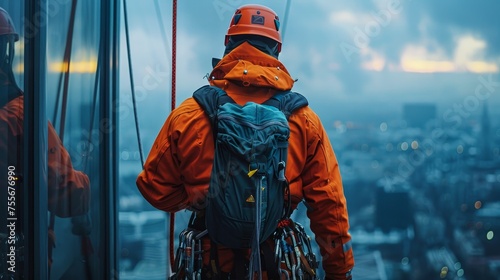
(177, 171)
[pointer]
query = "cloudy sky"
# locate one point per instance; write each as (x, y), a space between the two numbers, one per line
(348, 56)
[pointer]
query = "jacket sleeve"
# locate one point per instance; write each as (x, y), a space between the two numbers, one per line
(170, 181)
(160, 182)
(323, 192)
(68, 189)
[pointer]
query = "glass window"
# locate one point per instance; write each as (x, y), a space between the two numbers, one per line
(75, 138)
(145, 78)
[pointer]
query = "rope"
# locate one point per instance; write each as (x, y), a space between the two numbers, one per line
(93, 110)
(132, 86)
(287, 11)
(66, 60)
(174, 51)
(163, 31)
(58, 98)
(173, 84)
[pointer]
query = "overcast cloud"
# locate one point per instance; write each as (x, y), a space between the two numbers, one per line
(348, 56)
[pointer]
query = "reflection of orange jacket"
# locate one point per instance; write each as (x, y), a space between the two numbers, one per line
(68, 189)
(177, 170)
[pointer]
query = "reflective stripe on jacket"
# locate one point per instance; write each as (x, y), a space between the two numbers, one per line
(177, 171)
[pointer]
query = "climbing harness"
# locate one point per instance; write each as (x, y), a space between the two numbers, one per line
(292, 257)
(188, 259)
(293, 252)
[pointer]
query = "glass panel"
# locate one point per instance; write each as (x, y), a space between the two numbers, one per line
(73, 33)
(143, 229)
(11, 137)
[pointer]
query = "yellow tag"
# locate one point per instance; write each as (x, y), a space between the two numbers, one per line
(250, 199)
(251, 172)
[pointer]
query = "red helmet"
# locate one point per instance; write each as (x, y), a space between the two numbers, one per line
(255, 20)
(6, 26)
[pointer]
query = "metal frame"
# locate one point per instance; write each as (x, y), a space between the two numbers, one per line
(35, 142)
(109, 88)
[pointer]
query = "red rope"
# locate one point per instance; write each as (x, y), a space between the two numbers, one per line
(174, 59)
(284, 223)
(174, 51)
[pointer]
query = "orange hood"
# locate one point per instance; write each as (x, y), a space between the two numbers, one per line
(248, 66)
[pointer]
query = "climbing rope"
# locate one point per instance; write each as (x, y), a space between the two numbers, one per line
(173, 84)
(132, 86)
(62, 124)
(285, 23)
(174, 50)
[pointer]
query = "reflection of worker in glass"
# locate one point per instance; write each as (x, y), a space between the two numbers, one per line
(68, 189)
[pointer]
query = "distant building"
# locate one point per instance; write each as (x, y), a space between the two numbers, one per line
(393, 210)
(418, 115)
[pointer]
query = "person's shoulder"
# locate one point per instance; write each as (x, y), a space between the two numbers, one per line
(189, 104)
(188, 108)
(18, 101)
(300, 103)
(305, 113)
(15, 106)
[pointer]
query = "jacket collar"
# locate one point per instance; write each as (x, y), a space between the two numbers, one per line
(247, 66)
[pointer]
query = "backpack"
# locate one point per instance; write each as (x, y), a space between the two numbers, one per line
(246, 195)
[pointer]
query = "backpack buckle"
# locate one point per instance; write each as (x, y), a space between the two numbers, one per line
(256, 167)
(281, 171)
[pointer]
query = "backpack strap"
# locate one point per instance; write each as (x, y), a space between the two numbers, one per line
(210, 98)
(287, 102)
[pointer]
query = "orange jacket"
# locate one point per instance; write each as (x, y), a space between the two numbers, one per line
(68, 189)
(177, 171)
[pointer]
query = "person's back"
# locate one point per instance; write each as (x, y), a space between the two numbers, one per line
(177, 171)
